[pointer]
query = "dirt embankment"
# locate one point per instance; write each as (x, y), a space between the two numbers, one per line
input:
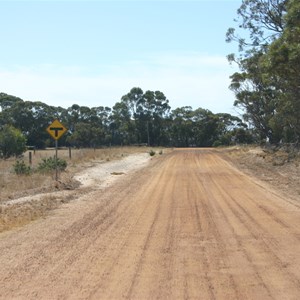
(279, 168)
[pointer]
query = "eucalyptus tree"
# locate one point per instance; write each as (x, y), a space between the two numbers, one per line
(85, 135)
(100, 118)
(130, 109)
(257, 96)
(283, 63)
(153, 110)
(257, 91)
(122, 125)
(31, 118)
(231, 129)
(7, 101)
(205, 127)
(72, 117)
(182, 126)
(263, 22)
(133, 101)
(143, 116)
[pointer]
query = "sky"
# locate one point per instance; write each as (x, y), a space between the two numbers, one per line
(91, 53)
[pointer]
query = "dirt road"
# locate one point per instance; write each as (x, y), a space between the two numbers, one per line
(189, 226)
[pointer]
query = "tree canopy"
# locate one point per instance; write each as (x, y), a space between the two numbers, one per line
(139, 118)
(267, 85)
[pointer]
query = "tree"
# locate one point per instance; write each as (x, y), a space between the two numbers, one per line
(143, 115)
(100, 117)
(231, 130)
(257, 96)
(12, 142)
(182, 126)
(138, 118)
(122, 126)
(205, 128)
(283, 63)
(31, 118)
(133, 101)
(6, 101)
(153, 109)
(262, 19)
(257, 90)
(85, 135)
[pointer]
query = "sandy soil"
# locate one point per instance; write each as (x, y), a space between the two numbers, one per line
(93, 175)
(102, 175)
(189, 226)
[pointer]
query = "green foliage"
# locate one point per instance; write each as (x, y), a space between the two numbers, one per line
(12, 142)
(49, 164)
(267, 86)
(283, 63)
(138, 118)
(20, 168)
(86, 135)
(217, 143)
(143, 117)
(262, 19)
(152, 152)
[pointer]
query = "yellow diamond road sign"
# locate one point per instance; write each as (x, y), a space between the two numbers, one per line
(56, 129)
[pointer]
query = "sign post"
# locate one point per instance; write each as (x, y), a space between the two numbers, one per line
(56, 130)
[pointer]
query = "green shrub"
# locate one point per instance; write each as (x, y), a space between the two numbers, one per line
(151, 152)
(20, 168)
(12, 142)
(49, 164)
(217, 143)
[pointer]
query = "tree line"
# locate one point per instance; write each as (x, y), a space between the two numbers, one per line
(267, 87)
(139, 118)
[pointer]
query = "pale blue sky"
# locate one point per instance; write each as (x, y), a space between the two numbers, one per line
(93, 52)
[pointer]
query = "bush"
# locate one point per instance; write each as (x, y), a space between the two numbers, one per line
(151, 153)
(217, 143)
(12, 142)
(49, 164)
(20, 168)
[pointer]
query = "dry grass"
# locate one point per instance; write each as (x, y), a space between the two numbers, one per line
(41, 190)
(13, 186)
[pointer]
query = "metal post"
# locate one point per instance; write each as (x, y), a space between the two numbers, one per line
(56, 167)
(148, 135)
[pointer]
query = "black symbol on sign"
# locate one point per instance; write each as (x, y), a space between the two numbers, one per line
(56, 130)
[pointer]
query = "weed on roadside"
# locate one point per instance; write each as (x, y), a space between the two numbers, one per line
(152, 152)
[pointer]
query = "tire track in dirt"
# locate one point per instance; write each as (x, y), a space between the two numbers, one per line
(164, 208)
(214, 232)
(255, 230)
(248, 261)
(131, 234)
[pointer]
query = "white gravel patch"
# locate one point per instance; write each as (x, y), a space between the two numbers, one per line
(104, 174)
(100, 175)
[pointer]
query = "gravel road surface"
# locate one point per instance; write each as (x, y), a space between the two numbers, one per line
(187, 226)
